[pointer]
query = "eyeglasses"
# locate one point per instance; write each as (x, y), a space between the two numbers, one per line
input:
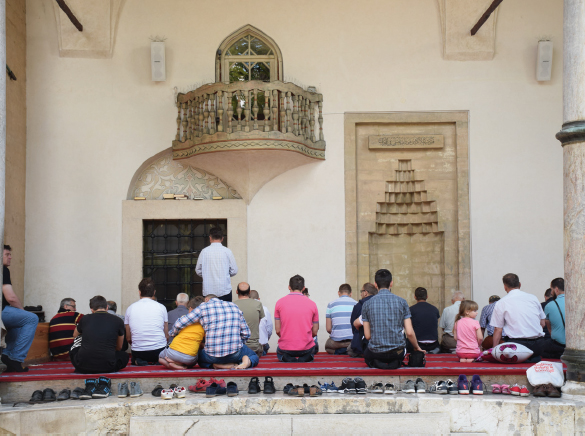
(72, 305)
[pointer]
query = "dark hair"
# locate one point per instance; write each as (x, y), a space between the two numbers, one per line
(112, 306)
(195, 302)
(548, 293)
(7, 247)
(306, 292)
(216, 233)
(558, 283)
(494, 298)
(420, 294)
(296, 283)
(254, 295)
(243, 292)
(146, 288)
(98, 302)
(511, 281)
(383, 278)
(345, 289)
(370, 289)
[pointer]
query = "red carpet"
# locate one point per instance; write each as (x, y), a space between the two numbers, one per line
(324, 365)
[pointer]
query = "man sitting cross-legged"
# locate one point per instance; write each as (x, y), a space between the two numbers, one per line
(61, 329)
(181, 353)
(296, 322)
(253, 313)
(99, 338)
(226, 333)
(385, 317)
(338, 321)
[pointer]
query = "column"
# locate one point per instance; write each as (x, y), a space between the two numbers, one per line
(2, 125)
(572, 137)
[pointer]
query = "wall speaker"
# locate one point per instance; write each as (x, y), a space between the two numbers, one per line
(544, 61)
(157, 61)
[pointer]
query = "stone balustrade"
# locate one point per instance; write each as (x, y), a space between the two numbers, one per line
(251, 115)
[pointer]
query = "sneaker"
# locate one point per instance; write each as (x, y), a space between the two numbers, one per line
(269, 385)
(420, 385)
(328, 388)
(376, 388)
(452, 387)
(439, 387)
(76, 393)
(65, 394)
(389, 389)
(409, 387)
(476, 387)
(254, 386)
(519, 390)
(360, 385)
(200, 386)
(232, 389)
(347, 386)
(463, 385)
(214, 390)
(156, 392)
(103, 389)
(167, 394)
(90, 386)
(135, 389)
(123, 390)
(539, 391)
(220, 382)
(179, 392)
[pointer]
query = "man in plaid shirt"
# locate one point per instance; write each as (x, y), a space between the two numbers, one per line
(226, 333)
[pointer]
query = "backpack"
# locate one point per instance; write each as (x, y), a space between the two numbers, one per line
(417, 359)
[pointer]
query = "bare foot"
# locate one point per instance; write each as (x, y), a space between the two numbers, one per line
(224, 365)
(246, 363)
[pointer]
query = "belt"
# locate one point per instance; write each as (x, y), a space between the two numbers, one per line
(522, 339)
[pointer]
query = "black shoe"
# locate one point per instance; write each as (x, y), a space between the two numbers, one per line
(37, 397)
(49, 395)
(76, 393)
(12, 365)
(90, 386)
(288, 388)
(269, 385)
(232, 389)
(157, 390)
(65, 394)
(347, 386)
(360, 385)
(103, 389)
(140, 362)
(254, 386)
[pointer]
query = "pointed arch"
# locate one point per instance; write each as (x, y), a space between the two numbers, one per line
(221, 63)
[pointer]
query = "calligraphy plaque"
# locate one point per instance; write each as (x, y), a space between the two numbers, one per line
(400, 142)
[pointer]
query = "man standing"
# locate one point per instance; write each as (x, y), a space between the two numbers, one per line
(448, 342)
(484, 322)
(386, 319)
(265, 328)
(146, 326)
(296, 322)
(554, 347)
(518, 317)
(181, 303)
(337, 320)
(253, 313)
(61, 329)
(226, 333)
(20, 324)
(357, 327)
(425, 320)
(216, 264)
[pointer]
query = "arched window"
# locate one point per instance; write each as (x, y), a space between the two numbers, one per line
(248, 54)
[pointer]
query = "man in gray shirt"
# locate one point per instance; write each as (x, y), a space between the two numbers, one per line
(181, 302)
(448, 342)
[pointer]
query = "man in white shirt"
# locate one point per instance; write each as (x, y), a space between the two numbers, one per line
(216, 264)
(518, 317)
(147, 328)
(266, 325)
(448, 342)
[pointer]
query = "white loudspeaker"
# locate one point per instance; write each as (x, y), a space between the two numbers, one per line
(157, 61)
(544, 61)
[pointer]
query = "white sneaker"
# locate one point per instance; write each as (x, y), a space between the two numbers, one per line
(389, 389)
(180, 392)
(167, 394)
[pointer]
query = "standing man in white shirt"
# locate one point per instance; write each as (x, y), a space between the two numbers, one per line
(518, 317)
(216, 264)
(147, 328)
(266, 325)
(448, 342)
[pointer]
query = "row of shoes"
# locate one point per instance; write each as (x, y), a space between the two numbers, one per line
(462, 387)
(94, 388)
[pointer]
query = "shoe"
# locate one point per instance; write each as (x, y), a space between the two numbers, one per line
(167, 394)
(12, 365)
(103, 388)
(540, 391)
(140, 362)
(347, 386)
(519, 390)
(376, 388)
(286, 390)
(220, 382)
(420, 385)
(389, 389)
(232, 389)
(157, 390)
(439, 387)
(254, 386)
(269, 385)
(214, 389)
(123, 391)
(452, 388)
(294, 390)
(135, 389)
(313, 390)
(476, 387)
(552, 391)
(180, 392)
(360, 385)
(76, 393)
(37, 397)
(65, 394)
(409, 387)
(200, 386)
(90, 386)
(463, 385)
(49, 395)
(506, 389)
(496, 389)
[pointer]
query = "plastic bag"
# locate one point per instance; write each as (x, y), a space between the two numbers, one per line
(546, 372)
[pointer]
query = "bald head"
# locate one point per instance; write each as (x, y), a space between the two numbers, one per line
(457, 296)
(243, 290)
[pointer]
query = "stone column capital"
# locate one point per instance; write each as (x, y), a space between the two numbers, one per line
(572, 132)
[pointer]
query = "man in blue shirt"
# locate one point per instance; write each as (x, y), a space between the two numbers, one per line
(554, 347)
(338, 324)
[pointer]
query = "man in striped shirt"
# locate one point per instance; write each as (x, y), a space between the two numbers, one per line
(338, 321)
(61, 329)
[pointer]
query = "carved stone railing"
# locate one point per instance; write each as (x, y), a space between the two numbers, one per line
(249, 116)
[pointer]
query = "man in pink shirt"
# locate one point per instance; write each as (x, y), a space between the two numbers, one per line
(296, 322)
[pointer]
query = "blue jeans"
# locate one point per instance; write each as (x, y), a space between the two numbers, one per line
(207, 361)
(21, 326)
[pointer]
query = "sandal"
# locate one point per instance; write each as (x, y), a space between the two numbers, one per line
(506, 390)
(315, 391)
(496, 389)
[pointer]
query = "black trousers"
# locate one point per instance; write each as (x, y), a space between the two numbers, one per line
(536, 345)
(388, 360)
(425, 346)
(552, 349)
(226, 297)
(151, 356)
(82, 367)
(296, 355)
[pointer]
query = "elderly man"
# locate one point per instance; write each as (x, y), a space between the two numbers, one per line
(484, 322)
(61, 329)
(181, 303)
(216, 264)
(448, 342)
(518, 317)
(253, 313)
(554, 347)
(113, 309)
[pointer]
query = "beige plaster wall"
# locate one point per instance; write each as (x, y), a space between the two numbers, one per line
(14, 229)
(93, 122)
